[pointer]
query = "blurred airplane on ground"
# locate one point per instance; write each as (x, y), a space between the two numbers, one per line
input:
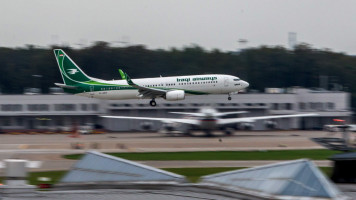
(339, 128)
(342, 126)
(209, 119)
(169, 88)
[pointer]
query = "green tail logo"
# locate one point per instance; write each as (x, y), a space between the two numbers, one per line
(70, 71)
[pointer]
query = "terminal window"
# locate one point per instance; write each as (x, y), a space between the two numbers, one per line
(84, 107)
(289, 106)
(275, 106)
(302, 106)
(316, 105)
(11, 107)
(38, 107)
(94, 107)
(312, 105)
(65, 107)
(331, 106)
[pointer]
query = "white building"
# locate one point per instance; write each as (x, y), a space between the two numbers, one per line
(56, 111)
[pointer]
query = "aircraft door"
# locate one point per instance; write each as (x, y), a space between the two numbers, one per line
(226, 82)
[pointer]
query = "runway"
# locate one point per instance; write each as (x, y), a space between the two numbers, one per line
(49, 148)
(128, 142)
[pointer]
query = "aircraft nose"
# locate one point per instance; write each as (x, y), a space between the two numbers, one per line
(245, 84)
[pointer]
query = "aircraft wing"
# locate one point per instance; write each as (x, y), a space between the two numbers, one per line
(219, 114)
(166, 120)
(229, 113)
(146, 92)
(187, 113)
(253, 119)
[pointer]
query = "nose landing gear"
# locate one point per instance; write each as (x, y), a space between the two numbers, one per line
(229, 97)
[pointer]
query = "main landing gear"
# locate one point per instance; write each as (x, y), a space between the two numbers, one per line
(229, 98)
(153, 103)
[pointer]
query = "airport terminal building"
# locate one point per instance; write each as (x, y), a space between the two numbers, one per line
(51, 112)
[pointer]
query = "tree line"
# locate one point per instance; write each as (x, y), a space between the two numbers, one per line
(262, 67)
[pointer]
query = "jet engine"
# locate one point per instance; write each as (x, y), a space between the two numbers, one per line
(271, 124)
(169, 126)
(246, 126)
(175, 95)
(146, 126)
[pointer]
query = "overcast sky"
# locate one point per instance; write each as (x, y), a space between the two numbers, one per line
(176, 23)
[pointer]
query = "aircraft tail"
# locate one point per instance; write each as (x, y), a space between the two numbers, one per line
(70, 71)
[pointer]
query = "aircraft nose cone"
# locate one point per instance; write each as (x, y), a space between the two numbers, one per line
(245, 84)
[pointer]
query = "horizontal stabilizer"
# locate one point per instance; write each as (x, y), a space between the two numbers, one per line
(65, 86)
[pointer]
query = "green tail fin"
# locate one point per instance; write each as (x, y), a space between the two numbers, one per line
(70, 72)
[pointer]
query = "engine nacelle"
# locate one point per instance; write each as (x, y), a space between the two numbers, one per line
(175, 95)
(271, 124)
(246, 126)
(146, 126)
(169, 127)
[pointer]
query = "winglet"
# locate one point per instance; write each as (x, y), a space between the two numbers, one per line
(122, 74)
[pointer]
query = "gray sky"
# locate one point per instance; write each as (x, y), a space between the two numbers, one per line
(167, 23)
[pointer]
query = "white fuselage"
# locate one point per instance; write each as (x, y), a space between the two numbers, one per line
(195, 84)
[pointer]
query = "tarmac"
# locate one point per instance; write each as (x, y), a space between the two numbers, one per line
(50, 148)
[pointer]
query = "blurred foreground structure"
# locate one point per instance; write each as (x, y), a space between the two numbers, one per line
(344, 168)
(99, 167)
(59, 112)
(101, 176)
(291, 179)
(15, 175)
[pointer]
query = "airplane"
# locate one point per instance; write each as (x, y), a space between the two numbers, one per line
(172, 88)
(209, 119)
(342, 126)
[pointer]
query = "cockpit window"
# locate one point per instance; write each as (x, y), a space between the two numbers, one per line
(236, 79)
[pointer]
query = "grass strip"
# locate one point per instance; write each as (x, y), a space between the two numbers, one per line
(314, 154)
(54, 176)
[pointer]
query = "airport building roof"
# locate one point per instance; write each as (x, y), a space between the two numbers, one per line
(300, 178)
(99, 167)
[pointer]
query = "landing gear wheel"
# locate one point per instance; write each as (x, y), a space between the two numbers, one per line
(229, 98)
(153, 103)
